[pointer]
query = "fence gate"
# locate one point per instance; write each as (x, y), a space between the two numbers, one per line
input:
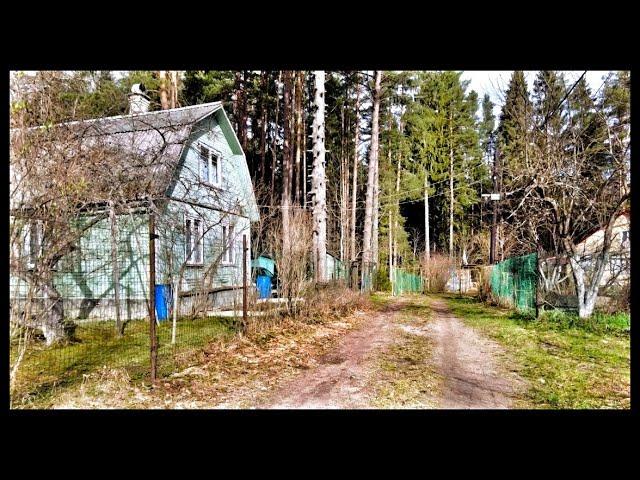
(405, 282)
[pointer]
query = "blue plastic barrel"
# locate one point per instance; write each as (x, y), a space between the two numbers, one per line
(163, 300)
(263, 282)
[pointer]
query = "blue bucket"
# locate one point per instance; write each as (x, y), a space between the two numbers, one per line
(163, 301)
(263, 282)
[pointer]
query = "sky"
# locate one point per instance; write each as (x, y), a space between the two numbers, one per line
(494, 82)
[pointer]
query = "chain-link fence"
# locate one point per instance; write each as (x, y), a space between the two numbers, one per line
(99, 295)
(514, 281)
(405, 282)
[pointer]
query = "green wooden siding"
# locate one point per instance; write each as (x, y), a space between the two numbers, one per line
(86, 274)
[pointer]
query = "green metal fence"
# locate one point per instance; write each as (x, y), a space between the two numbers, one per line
(513, 281)
(405, 282)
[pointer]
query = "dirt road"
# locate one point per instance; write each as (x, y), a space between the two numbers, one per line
(340, 379)
(465, 362)
(468, 364)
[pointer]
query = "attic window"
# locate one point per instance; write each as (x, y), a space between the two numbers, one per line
(210, 166)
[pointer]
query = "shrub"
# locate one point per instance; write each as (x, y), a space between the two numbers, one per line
(484, 284)
(436, 271)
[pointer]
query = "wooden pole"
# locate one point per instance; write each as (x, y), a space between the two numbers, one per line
(244, 282)
(152, 300)
(494, 222)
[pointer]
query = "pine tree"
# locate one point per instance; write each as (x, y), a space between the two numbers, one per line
(487, 126)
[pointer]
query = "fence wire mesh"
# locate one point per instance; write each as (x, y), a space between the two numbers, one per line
(406, 282)
(514, 281)
(89, 291)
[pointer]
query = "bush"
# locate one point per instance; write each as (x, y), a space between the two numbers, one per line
(436, 271)
(321, 303)
(484, 284)
(330, 303)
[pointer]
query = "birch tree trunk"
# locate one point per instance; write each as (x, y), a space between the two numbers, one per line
(367, 256)
(304, 164)
(319, 182)
(299, 113)
(274, 147)
(287, 164)
(354, 185)
(263, 126)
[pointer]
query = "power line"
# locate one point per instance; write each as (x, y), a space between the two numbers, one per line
(392, 195)
(549, 115)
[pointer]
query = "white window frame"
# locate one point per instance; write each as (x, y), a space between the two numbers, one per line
(189, 239)
(211, 153)
(228, 244)
(625, 238)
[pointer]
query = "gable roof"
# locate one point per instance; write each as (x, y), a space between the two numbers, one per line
(597, 228)
(144, 150)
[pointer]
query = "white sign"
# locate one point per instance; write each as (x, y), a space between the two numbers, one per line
(491, 196)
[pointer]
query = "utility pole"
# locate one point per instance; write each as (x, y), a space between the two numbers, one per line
(495, 197)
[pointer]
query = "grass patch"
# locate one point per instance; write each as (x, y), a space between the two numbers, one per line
(403, 377)
(380, 299)
(569, 364)
(615, 324)
(48, 371)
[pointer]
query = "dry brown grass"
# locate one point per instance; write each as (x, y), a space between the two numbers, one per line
(436, 271)
(235, 373)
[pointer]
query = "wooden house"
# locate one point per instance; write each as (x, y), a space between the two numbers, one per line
(188, 163)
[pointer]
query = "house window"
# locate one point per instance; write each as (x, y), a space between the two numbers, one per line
(210, 166)
(618, 264)
(33, 243)
(625, 237)
(227, 244)
(204, 164)
(194, 244)
(215, 170)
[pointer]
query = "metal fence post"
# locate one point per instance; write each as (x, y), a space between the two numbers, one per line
(535, 279)
(244, 282)
(152, 300)
(176, 285)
